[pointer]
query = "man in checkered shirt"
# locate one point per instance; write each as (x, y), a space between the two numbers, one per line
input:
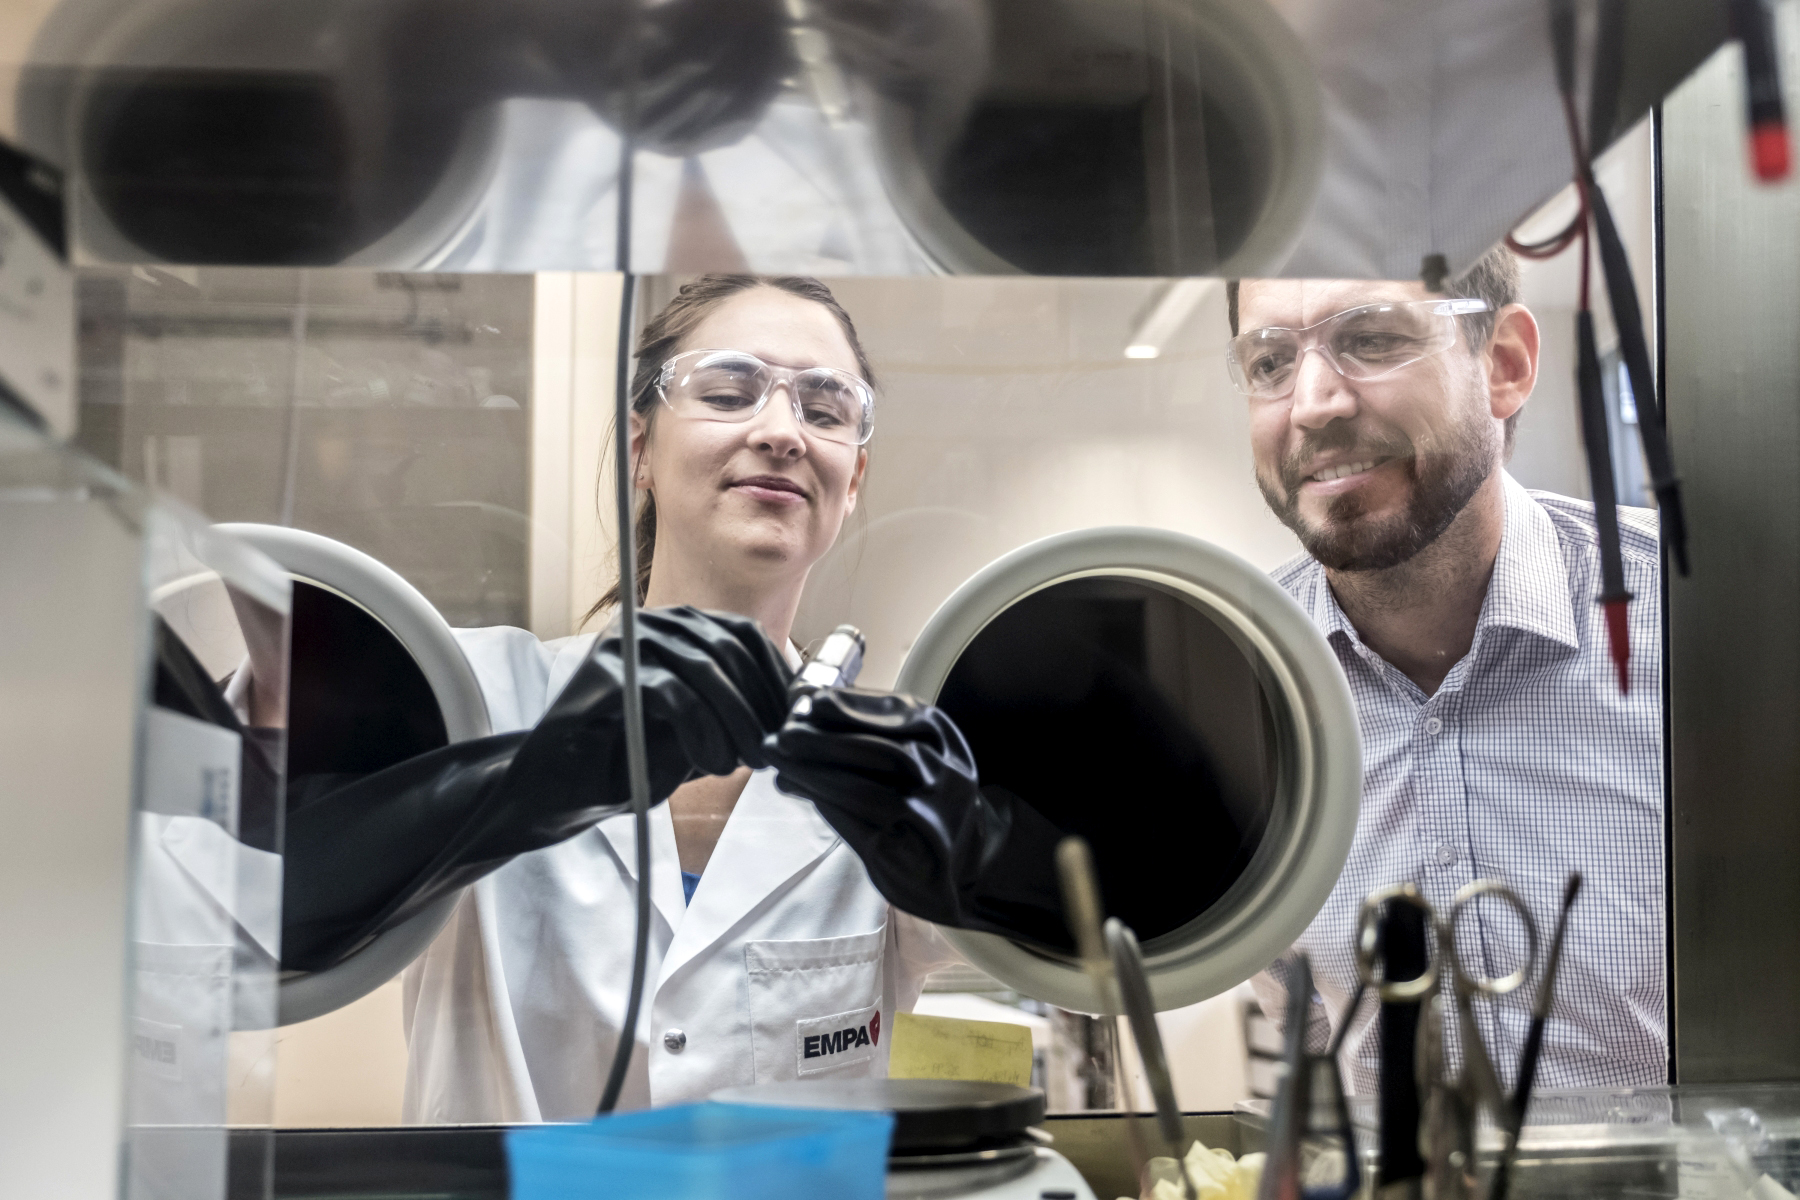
(1496, 743)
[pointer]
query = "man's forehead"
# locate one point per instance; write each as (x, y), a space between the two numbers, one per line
(1297, 303)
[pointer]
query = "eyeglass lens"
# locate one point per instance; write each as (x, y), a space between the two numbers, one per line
(1362, 344)
(832, 405)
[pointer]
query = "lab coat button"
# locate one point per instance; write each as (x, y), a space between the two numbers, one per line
(1433, 726)
(674, 1041)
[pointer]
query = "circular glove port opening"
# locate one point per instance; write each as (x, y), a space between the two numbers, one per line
(375, 678)
(1105, 137)
(1171, 704)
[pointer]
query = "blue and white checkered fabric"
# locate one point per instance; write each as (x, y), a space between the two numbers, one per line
(1526, 764)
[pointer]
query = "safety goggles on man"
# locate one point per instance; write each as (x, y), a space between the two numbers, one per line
(1368, 342)
(733, 386)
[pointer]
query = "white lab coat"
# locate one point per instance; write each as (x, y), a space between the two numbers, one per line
(787, 964)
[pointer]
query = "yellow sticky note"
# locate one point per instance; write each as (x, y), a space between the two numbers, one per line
(951, 1048)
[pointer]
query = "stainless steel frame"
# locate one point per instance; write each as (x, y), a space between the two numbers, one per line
(1731, 257)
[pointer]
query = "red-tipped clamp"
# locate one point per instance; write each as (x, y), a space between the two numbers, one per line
(1765, 111)
(1769, 151)
(1618, 639)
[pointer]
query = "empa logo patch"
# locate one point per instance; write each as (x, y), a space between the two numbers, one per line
(818, 1045)
(842, 1039)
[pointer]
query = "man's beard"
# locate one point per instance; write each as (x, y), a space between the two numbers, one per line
(1349, 539)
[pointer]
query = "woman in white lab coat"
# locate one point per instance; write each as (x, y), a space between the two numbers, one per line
(772, 955)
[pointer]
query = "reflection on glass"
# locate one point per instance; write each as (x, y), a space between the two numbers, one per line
(391, 412)
(206, 878)
(1098, 143)
(1125, 714)
(1095, 137)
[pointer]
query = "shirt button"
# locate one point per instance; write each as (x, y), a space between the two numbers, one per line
(1446, 854)
(674, 1041)
(1433, 726)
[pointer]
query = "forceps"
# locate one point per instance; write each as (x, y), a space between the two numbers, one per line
(1452, 1106)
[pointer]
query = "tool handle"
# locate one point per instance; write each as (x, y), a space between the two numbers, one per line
(1403, 952)
(1521, 1100)
(1140, 1008)
(1293, 1099)
(1546, 996)
(1082, 909)
(1528, 1064)
(1534, 1044)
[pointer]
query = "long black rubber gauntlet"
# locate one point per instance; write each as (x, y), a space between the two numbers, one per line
(896, 779)
(367, 854)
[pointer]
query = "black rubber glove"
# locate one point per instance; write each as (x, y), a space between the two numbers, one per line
(367, 854)
(895, 778)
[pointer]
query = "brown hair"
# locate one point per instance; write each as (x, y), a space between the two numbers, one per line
(661, 341)
(1494, 278)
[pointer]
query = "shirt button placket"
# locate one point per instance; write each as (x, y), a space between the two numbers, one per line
(1445, 787)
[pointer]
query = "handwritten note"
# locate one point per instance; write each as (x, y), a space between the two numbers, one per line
(951, 1048)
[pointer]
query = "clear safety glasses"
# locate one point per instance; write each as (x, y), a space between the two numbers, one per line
(733, 386)
(1371, 341)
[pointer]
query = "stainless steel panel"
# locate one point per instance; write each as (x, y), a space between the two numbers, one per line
(1732, 262)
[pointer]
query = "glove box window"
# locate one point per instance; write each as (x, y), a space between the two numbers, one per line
(1162, 713)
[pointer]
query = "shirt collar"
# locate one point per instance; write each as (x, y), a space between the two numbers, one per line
(1322, 606)
(1529, 590)
(1530, 587)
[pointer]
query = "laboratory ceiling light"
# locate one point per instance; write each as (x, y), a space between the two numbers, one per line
(1166, 317)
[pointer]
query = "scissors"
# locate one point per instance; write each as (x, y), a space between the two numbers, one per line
(1451, 1105)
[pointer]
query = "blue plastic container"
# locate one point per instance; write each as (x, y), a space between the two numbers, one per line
(703, 1152)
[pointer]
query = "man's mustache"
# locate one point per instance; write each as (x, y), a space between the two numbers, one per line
(1359, 446)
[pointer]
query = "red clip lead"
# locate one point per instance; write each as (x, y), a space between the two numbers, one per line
(1618, 639)
(1769, 150)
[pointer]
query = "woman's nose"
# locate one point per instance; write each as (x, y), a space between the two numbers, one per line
(776, 430)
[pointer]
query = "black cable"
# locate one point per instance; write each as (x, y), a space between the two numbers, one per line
(636, 759)
(1404, 956)
(1562, 43)
(1613, 596)
(1635, 350)
(1621, 290)
(1609, 73)
(1613, 599)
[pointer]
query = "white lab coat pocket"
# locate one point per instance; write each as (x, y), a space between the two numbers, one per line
(181, 1023)
(815, 1006)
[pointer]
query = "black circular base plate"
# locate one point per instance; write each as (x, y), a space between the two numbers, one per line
(930, 1115)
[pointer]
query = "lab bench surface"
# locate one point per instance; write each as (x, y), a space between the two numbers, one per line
(468, 1162)
(1624, 1154)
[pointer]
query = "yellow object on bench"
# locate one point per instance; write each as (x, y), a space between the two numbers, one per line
(952, 1048)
